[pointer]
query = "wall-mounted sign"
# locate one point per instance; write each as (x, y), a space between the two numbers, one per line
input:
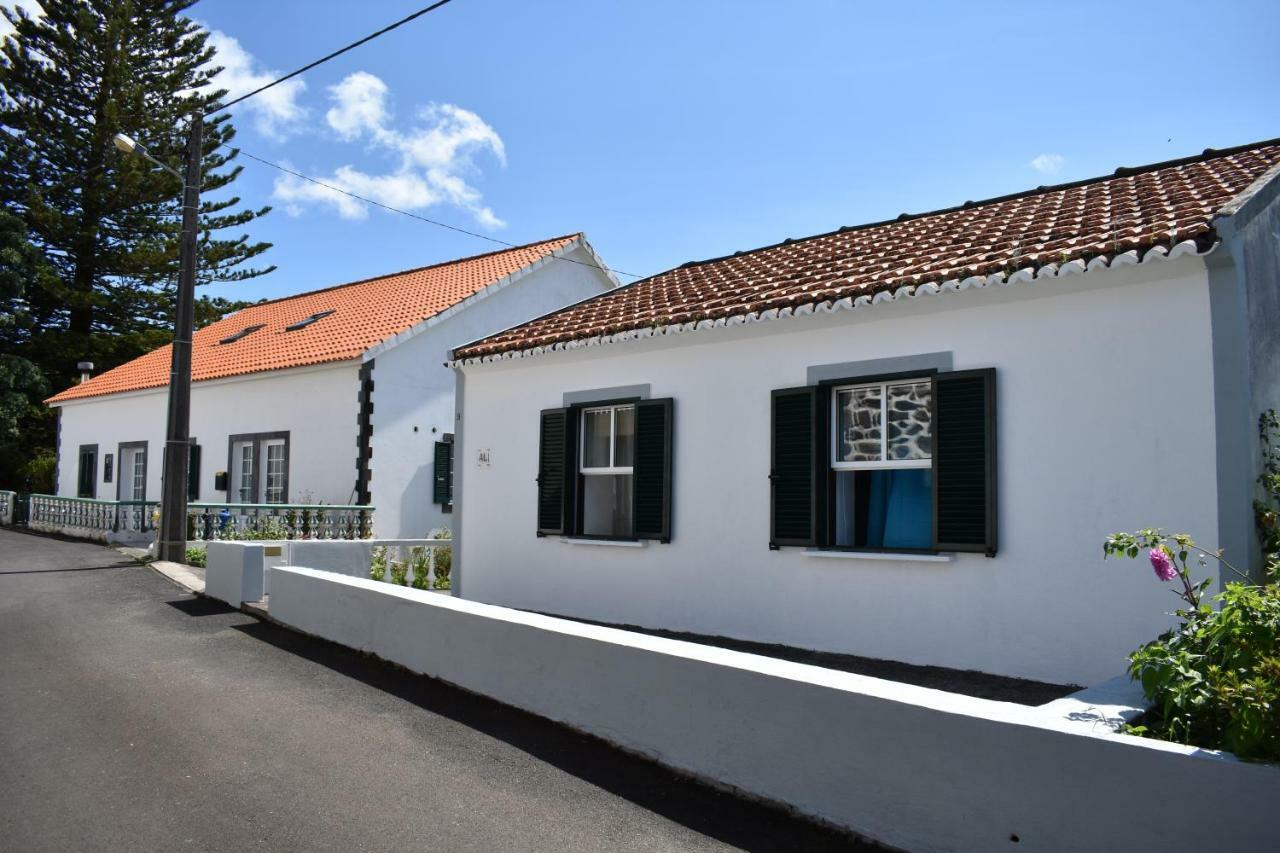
(483, 458)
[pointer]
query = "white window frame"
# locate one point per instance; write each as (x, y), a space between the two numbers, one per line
(882, 462)
(138, 474)
(265, 450)
(613, 441)
(239, 484)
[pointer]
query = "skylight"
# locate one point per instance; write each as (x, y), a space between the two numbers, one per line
(245, 332)
(302, 324)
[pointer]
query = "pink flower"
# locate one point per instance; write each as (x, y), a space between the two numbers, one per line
(1163, 564)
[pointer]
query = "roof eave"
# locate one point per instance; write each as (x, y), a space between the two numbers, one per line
(1025, 275)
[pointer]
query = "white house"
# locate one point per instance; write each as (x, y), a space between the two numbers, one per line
(337, 396)
(903, 440)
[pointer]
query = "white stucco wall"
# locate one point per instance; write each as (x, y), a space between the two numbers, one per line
(316, 406)
(1105, 423)
(413, 390)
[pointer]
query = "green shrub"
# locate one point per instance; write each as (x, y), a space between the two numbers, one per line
(421, 566)
(378, 563)
(443, 558)
(399, 572)
(196, 557)
(1214, 680)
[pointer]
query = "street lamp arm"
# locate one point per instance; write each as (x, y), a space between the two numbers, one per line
(129, 145)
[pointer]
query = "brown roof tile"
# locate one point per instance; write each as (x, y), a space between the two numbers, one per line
(1138, 208)
(364, 314)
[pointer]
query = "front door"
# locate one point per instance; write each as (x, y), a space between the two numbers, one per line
(259, 470)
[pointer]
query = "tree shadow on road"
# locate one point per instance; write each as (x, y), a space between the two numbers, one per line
(728, 818)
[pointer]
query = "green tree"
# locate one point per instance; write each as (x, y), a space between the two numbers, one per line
(106, 227)
(22, 385)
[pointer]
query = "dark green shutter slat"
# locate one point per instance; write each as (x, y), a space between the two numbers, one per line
(792, 465)
(193, 473)
(652, 471)
(442, 474)
(964, 459)
(553, 465)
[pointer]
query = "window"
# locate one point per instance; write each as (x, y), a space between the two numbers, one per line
(258, 464)
(87, 476)
(895, 463)
(882, 465)
(139, 475)
(243, 333)
(108, 467)
(273, 489)
(607, 454)
(132, 482)
(302, 324)
(604, 470)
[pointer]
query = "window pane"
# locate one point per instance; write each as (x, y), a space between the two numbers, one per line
(606, 505)
(884, 508)
(595, 438)
(910, 433)
(858, 425)
(624, 451)
(139, 475)
(273, 488)
(243, 473)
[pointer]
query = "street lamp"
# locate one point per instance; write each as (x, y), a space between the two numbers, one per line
(172, 543)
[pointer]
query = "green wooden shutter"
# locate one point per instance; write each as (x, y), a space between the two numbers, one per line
(442, 474)
(652, 471)
(553, 471)
(964, 461)
(791, 467)
(193, 473)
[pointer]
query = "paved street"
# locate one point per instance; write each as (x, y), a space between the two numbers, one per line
(136, 717)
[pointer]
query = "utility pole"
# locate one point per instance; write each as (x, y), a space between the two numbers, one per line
(172, 542)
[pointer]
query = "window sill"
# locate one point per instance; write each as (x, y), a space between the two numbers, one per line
(614, 543)
(880, 555)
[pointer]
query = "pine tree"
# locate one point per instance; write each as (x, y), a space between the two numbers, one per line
(108, 225)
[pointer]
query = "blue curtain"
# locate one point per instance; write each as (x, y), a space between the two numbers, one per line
(900, 508)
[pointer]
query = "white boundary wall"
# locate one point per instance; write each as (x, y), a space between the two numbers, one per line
(916, 768)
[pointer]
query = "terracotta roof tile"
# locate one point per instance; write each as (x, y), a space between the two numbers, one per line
(364, 314)
(1159, 205)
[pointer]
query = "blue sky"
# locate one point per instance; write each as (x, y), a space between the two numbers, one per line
(674, 131)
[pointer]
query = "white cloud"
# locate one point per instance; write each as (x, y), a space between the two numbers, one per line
(404, 190)
(1047, 163)
(31, 7)
(360, 106)
(432, 157)
(276, 112)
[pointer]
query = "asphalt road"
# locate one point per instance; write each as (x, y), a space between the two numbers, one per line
(134, 716)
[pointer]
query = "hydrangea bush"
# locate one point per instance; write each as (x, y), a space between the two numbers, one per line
(1214, 680)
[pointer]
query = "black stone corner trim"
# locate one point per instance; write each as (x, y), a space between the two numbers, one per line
(364, 432)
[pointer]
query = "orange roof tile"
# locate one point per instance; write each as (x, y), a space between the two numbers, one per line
(1135, 209)
(364, 314)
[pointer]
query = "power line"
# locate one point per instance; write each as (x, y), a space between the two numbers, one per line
(411, 215)
(324, 59)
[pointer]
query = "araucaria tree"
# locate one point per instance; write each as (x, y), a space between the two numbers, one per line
(105, 226)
